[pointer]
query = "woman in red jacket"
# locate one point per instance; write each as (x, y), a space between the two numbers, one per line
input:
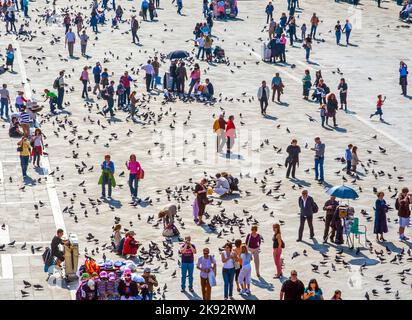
(130, 245)
(230, 133)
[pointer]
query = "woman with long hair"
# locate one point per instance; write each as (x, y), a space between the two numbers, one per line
(313, 292)
(278, 244)
(38, 146)
(331, 106)
(355, 160)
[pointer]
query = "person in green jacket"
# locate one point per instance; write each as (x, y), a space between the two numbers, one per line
(307, 84)
(107, 177)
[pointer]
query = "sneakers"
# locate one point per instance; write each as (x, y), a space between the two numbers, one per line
(242, 292)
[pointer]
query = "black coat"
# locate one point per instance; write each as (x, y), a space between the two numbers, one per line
(307, 210)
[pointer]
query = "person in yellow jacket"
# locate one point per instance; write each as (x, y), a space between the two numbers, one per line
(219, 128)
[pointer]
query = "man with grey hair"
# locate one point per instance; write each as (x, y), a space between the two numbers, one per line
(319, 159)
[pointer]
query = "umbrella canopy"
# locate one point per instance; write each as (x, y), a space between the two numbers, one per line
(342, 192)
(178, 54)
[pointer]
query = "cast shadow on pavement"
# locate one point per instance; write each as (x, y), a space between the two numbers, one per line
(262, 283)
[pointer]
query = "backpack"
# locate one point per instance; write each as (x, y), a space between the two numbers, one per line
(105, 94)
(56, 83)
(216, 126)
(315, 207)
(397, 204)
(46, 255)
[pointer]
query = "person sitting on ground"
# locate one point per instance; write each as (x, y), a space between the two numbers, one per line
(233, 182)
(14, 131)
(209, 90)
(168, 214)
(222, 186)
(130, 245)
(117, 236)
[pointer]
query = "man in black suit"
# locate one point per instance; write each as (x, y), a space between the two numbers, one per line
(307, 207)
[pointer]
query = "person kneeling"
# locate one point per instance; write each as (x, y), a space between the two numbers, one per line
(222, 186)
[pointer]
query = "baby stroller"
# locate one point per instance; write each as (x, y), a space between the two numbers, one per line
(219, 55)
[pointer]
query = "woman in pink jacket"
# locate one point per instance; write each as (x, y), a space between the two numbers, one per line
(194, 76)
(135, 173)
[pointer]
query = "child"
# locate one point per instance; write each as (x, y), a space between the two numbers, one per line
(303, 31)
(322, 114)
(379, 105)
(348, 157)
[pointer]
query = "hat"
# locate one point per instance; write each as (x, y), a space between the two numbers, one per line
(148, 270)
(103, 274)
(108, 264)
(127, 271)
(112, 276)
(101, 263)
(91, 284)
(118, 263)
(137, 278)
(95, 274)
(131, 266)
(132, 233)
(85, 276)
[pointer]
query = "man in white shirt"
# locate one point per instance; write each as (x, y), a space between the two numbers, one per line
(70, 40)
(222, 185)
(149, 74)
(201, 43)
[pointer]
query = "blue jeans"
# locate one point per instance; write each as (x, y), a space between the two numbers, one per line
(110, 103)
(307, 53)
(133, 183)
(60, 95)
(201, 49)
(106, 180)
(348, 165)
(4, 107)
(347, 36)
(228, 276)
(313, 31)
(187, 270)
(337, 34)
(24, 162)
(319, 167)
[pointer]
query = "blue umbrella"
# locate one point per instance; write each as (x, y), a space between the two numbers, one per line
(342, 192)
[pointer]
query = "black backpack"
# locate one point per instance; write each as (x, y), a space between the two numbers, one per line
(315, 207)
(397, 204)
(56, 83)
(47, 255)
(105, 94)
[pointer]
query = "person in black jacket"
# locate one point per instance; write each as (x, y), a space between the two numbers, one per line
(330, 208)
(128, 289)
(173, 74)
(307, 207)
(292, 160)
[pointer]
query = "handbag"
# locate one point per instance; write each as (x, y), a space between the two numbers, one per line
(212, 279)
(141, 174)
(19, 149)
(89, 88)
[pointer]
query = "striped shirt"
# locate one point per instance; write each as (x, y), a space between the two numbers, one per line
(25, 117)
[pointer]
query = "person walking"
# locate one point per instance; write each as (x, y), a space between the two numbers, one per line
(125, 79)
(323, 115)
(263, 96)
(219, 128)
(84, 78)
(135, 173)
(319, 159)
(313, 292)
(94, 23)
(332, 107)
(269, 12)
(277, 87)
(144, 8)
(201, 46)
(343, 94)
(201, 200)
(173, 75)
(245, 272)
(292, 30)
(402, 204)
(381, 208)
(379, 105)
(278, 245)
(253, 242)
(330, 208)
(355, 160)
(292, 289)
(4, 101)
(403, 77)
(230, 134)
(149, 74)
(347, 30)
(179, 6)
(70, 41)
(108, 95)
(206, 264)
(187, 251)
(134, 26)
(37, 147)
(292, 160)
(307, 45)
(84, 38)
(307, 84)
(307, 208)
(338, 32)
(24, 149)
(348, 158)
(314, 21)
(107, 177)
(97, 71)
(228, 270)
